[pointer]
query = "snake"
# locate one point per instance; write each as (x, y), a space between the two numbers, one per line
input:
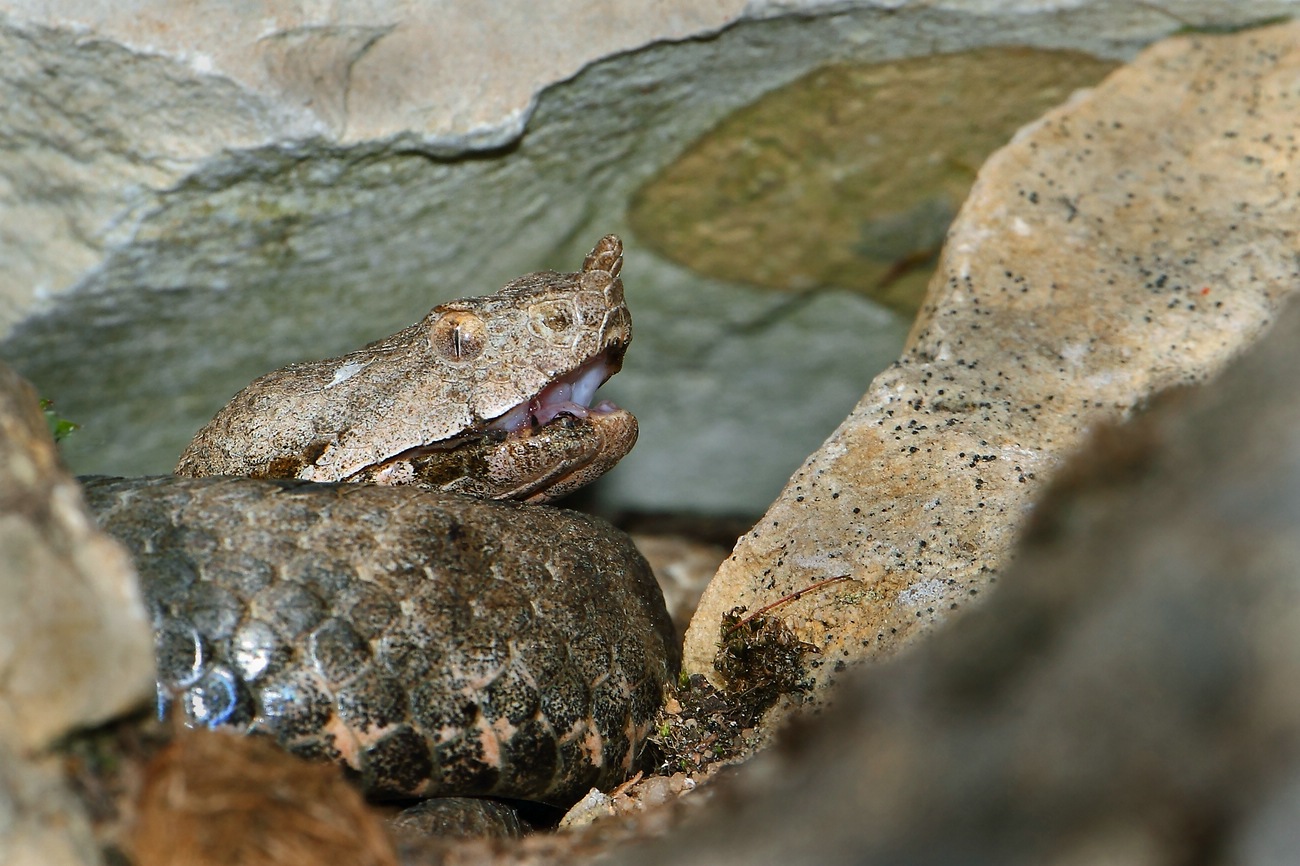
(356, 556)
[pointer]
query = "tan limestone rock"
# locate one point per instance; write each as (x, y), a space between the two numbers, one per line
(41, 822)
(1133, 239)
(1130, 694)
(75, 643)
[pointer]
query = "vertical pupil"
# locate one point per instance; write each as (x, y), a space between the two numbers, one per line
(458, 336)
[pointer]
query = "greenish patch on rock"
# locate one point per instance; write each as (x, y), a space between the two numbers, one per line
(849, 176)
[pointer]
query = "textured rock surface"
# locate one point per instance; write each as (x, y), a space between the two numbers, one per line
(387, 67)
(850, 176)
(191, 200)
(1131, 240)
(41, 824)
(75, 646)
(1131, 693)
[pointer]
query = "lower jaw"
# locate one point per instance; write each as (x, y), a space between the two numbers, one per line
(538, 464)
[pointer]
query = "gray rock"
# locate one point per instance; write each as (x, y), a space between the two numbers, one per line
(194, 199)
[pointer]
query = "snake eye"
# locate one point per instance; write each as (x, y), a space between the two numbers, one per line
(458, 335)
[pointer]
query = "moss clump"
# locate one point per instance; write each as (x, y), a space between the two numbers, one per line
(761, 660)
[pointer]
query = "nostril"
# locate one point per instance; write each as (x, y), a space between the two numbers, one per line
(617, 323)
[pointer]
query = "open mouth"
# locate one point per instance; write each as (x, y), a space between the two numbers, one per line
(571, 395)
(544, 447)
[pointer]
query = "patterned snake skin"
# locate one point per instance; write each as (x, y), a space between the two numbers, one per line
(432, 643)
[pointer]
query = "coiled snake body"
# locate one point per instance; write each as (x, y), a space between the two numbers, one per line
(432, 642)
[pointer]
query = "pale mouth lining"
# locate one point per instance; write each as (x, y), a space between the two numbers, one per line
(570, 395)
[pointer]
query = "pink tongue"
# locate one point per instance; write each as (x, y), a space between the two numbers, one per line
(557, 400)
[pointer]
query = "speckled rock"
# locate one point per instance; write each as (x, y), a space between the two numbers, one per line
(1130, 694)
(1133, 239)
(193, 198)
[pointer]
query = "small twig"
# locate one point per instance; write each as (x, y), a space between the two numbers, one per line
(785, 599)
(622, 789)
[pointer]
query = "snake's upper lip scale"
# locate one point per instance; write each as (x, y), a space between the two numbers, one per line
(570, 394)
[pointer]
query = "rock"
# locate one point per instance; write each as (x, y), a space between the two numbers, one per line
(41, 824)
(193, 199)
(1134, 239)
(214, 799)
(1130, 693)
(592, 807)
(869, 219)
(682, 566)
(75, 643)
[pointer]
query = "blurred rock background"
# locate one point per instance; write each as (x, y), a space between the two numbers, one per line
(194, 196)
